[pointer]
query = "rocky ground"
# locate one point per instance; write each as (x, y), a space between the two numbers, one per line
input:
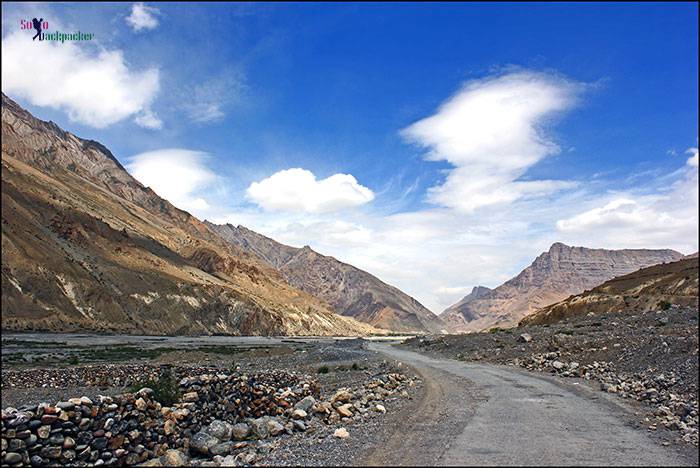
(309, 404)
(648, 358)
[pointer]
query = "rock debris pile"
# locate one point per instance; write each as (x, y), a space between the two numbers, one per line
(219, 419)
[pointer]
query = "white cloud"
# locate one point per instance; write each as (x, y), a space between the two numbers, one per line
(178, 175)
(147, 119)
(142, 17)
(94, 88)
(662, 219)
(491, 132)
(298, 190)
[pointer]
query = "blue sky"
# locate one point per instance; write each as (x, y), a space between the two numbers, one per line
(437, 146)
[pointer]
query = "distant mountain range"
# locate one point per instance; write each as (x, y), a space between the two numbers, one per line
(86, 247)
(349, 290)
(553, 276)
(652, 288)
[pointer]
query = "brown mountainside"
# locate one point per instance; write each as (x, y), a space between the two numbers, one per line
(87, 247)
(652, 288)
(554, 275)
(349, 290)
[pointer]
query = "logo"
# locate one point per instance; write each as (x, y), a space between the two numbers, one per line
(40, 25)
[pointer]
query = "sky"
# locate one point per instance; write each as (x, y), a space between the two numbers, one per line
(437, 146)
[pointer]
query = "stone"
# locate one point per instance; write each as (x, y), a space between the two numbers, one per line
(380, 408)
(240, 431)
(299, 425)
(202, 441)
(169, 427)
(190, 396)
(43, 431)
(342, 396)
(229, 460)
(305, 403)
(12, 458)
(274, 426)
(259, 428)
(525, 338)
(322, 407)
(68, 443)
(48, 418)
(141, 404)
(223, 448)
(299, 414)
(341, 433)
(220, 429)
(558, 365)
(344, 410)
(174, 458)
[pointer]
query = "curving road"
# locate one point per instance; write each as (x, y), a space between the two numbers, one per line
(475, 414)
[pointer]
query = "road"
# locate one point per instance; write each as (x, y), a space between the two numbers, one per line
(477, 414)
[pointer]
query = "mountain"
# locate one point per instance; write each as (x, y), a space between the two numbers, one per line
(349, 290)
(452, 316)
(86, 247)
(554, 275)
(650, 288)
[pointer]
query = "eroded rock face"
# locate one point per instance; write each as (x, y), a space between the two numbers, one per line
(656, 287)
(349, 290)
(553, 276)
(87, 247)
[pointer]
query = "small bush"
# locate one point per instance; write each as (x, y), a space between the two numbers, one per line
(165, 390)
(355, 366)
(73, 360)
(323, 370)
(665, 305)
(494, 330)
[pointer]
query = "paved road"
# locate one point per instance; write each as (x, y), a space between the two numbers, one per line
(475, 414)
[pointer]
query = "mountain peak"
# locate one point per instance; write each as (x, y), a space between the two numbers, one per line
(558, 247)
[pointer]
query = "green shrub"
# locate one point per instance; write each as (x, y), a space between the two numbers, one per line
(323, 370)
(665, 305)
(165, 389)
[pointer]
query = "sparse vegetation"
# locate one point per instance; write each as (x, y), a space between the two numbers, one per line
(165, 389)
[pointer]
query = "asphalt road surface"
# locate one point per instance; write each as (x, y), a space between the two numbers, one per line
(476, 414)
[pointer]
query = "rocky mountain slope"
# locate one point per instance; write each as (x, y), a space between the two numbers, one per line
(87, 247)
(553, 276)
(652, 288)
(452, 316)
(349, 290)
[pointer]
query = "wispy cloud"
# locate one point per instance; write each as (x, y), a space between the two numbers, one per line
(209, 100)
(663, 218)
(491, 131)
(142, 17)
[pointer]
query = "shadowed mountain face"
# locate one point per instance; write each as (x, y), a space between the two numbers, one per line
(349, 290)
(653, 288)
(87, 247)
(554, 275)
